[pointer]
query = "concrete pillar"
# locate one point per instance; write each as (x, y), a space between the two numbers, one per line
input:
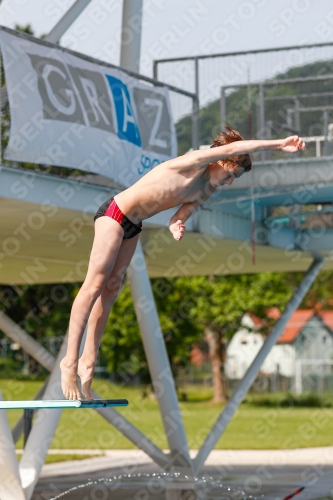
(131, 35)
(158, 360)
(152, 336)
(10, 482)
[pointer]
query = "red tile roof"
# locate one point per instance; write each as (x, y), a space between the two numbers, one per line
(272, 313)
(295, 325)
(258, 322)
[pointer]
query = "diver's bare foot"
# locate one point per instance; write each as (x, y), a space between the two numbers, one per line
(177, 229)
(86, 372)
(69, 380)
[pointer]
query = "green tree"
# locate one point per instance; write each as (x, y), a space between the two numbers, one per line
(188, 307)
(218, 304)
(122, 350)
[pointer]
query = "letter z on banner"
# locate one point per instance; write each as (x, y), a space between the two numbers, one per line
(71, 112)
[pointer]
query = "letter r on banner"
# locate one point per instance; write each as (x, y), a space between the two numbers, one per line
(127, 126)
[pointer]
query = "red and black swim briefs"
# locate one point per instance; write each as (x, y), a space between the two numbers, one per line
(110, 209)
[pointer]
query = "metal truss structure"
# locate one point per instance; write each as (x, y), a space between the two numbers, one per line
(17, 481)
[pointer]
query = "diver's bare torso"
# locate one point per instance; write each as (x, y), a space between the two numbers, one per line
(164, 187)
(187, 181)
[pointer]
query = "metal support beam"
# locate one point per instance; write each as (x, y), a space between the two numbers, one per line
(27, 424)
(131, 35)
(261, 117)
(133, 434)
(46, 359)
(66, 21)
(196, 139)
(157, 359)
(155, 70)
(268, 83)
(297, 122)
(243, 53)
(297, 116)
(29, 345)
(19, 426)
(325, 127)
(10, 482)
(195, 124)
(223, 108)
(249, 377)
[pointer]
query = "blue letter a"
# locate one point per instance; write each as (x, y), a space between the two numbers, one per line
(127, 126)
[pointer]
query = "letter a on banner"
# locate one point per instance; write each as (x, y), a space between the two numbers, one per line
(127, 126)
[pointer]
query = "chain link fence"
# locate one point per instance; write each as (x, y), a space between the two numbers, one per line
(263, 94)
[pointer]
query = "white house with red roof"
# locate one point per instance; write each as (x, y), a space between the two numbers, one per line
(307, 336)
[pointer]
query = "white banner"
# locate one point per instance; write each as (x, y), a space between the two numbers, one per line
(70, 112)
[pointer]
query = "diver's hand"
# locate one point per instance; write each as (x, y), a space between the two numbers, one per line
(292, 144)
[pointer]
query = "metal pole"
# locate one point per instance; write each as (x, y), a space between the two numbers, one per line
(325, 120)
(243, 53)
(66, 21)
(241, 390)
(155, 70)
(131, 35)
(54, 36)
(27, 424)
(157, 358)
(197, 90)
(133, 434)
(262, 134)
(269, 127)
(297, 122)
(297, 117)
(249, 104)
(289, 120)
(10, 482)
(196, 109)
(29, 345)
(223, 108)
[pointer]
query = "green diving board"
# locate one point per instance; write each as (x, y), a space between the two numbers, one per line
(62, 403)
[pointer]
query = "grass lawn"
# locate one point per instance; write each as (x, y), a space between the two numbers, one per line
(253, 427)
(53, 459)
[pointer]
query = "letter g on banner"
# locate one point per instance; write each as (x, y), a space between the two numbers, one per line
(59, 99)
(127, 126)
